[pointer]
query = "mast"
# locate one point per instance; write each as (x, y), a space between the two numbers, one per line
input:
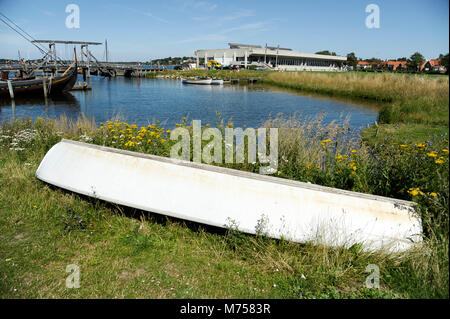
(106, 50)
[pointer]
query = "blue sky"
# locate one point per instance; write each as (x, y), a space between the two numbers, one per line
(144, 30)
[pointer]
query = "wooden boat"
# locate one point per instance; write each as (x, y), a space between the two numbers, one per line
(35, 85)
(197, 81)
(228, 198)
(217, 82)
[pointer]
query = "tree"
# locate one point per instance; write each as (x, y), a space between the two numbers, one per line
(352, 60)
(402, 59)
(326, 52)
(373, 60)
(444, 61)
(415, 61)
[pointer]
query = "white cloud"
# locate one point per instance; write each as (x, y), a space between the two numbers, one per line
(258, 26)
(48, 13)
(239, 14)
(149, 14)
(205, 37)
(223, 34)
(204, 6)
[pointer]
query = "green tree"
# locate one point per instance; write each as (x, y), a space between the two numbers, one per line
(415, 61)
(444, 61)
(352, 60)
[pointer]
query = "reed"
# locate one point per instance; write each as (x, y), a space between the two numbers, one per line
(401, 98)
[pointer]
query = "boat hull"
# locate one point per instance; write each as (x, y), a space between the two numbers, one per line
(217, 82)
(222, 197)
(59, 84)
(198, 82)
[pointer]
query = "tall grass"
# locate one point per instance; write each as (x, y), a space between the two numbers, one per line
(403, 98)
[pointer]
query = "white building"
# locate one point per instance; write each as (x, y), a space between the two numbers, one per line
(244, 55)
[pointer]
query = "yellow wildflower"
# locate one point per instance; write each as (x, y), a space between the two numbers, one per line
(433, 194)
(432, 154)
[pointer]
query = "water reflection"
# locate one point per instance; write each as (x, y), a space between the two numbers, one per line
(142, 101)
(36, 106)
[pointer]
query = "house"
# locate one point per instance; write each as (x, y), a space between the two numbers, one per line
(395, 65)
(432, 65)
(362, 65)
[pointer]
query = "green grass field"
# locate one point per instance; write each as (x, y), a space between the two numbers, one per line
(125, 253)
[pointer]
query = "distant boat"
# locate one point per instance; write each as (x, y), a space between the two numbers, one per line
(31, 85)
(217, 82)
(198, 81)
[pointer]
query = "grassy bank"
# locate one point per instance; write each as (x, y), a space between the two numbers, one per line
(222, 74)
(126, 253)
(402, 98)
(412, 107)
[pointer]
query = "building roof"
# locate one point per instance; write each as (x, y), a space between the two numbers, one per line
(242, 49)
(240, 46)
(435, 62)
(395, 63)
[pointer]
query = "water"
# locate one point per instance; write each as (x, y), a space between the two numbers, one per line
(142, 101)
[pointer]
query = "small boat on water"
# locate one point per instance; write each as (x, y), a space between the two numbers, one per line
(197, 81)
(217, 82)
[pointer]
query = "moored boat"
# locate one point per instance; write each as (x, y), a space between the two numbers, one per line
(217, 82)
(35, 85)
(197, 81)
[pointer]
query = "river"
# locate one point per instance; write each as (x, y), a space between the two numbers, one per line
(142, 101)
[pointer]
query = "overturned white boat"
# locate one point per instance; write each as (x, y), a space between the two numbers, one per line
(223, 197)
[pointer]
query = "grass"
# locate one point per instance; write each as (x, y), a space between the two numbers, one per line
(403, 99)
(223, 74)
(125, 253)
